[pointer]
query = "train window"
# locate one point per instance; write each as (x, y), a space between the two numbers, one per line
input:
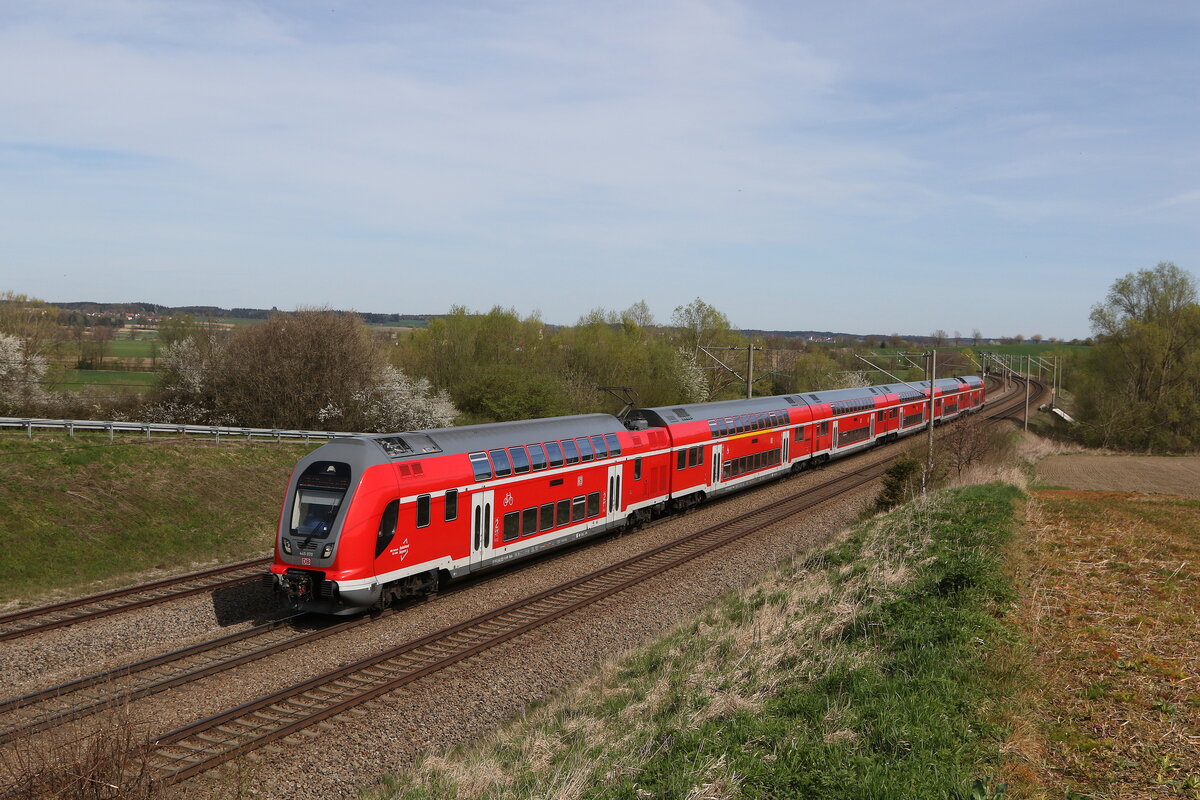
(387, 527)
(537, 457)
(824, 430)
(555, 454)
(585, 449)
(570, 451)
(695, 456)
(520, 459)
(564, 512)
(578, 506)
(712, 429)
(479, 463)
(512, 526)
(681, 459)
(593, 504)
(529, 521)
(637, 469)
(614, 444)
(451, 512)
(500, 462)
(547, 517)
(798, 434)
(423, 511)
(599, 446)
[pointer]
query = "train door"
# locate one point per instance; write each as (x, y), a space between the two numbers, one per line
(481, 526)
(833, 438)
(787, 447)
(614, 492)
(716, 464)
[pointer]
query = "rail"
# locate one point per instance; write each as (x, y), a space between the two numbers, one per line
(148, 428)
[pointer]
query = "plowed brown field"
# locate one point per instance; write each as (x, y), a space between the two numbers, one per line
(1146, 474)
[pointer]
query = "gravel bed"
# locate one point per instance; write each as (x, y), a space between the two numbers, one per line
(41, 660)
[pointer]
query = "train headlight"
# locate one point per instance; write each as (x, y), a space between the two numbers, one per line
(287, 546)
(327, 552)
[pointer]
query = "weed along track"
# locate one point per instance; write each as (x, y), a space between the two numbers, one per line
(84, 609)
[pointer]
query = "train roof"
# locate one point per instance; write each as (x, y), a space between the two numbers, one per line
(474, 438)
(690, 412)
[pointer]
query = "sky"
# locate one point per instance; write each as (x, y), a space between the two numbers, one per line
(866, 167)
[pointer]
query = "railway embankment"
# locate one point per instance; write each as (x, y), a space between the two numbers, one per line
(880, 665)
(78, 514)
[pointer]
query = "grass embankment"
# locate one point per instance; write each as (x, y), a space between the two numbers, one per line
(869, 670)
(77, 511)
(1112, 610)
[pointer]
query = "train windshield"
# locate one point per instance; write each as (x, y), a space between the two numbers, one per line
(319, 495)
(314, 512)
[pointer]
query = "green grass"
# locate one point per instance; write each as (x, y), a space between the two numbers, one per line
(126, 381)
(871, 670)
(77, 513)
(142, 347)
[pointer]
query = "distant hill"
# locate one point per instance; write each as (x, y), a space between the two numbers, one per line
(217, 311)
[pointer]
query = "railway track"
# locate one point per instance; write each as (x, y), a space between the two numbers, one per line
(83, 609)
(205, 744)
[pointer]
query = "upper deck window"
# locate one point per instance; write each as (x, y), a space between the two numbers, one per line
(500, 462)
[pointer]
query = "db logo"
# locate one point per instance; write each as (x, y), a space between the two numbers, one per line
(306, 562)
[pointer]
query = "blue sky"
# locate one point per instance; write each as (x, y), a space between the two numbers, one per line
(863, 167)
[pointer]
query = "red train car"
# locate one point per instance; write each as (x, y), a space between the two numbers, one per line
(371, 518)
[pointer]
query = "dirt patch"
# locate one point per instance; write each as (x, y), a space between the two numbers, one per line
(1110, 604)
(1146, 474)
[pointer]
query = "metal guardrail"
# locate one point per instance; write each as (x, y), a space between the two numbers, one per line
(149, 428)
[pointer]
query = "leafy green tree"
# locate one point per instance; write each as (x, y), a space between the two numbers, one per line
(1139, 388)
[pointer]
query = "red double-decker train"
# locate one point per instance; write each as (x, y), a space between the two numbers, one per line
(371, 518)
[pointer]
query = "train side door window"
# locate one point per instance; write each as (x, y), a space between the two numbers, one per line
(520, 459)
(555, 454)
(423, 511)
(570, 451)
(500, 462)
(537, 457)
(637, 469)
(481, 466)
(451, 512)
(387, 527)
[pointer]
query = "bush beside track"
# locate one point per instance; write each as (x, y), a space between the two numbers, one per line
(873, 669)
(81, 514)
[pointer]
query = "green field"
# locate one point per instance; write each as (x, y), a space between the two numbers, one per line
(73, 380)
